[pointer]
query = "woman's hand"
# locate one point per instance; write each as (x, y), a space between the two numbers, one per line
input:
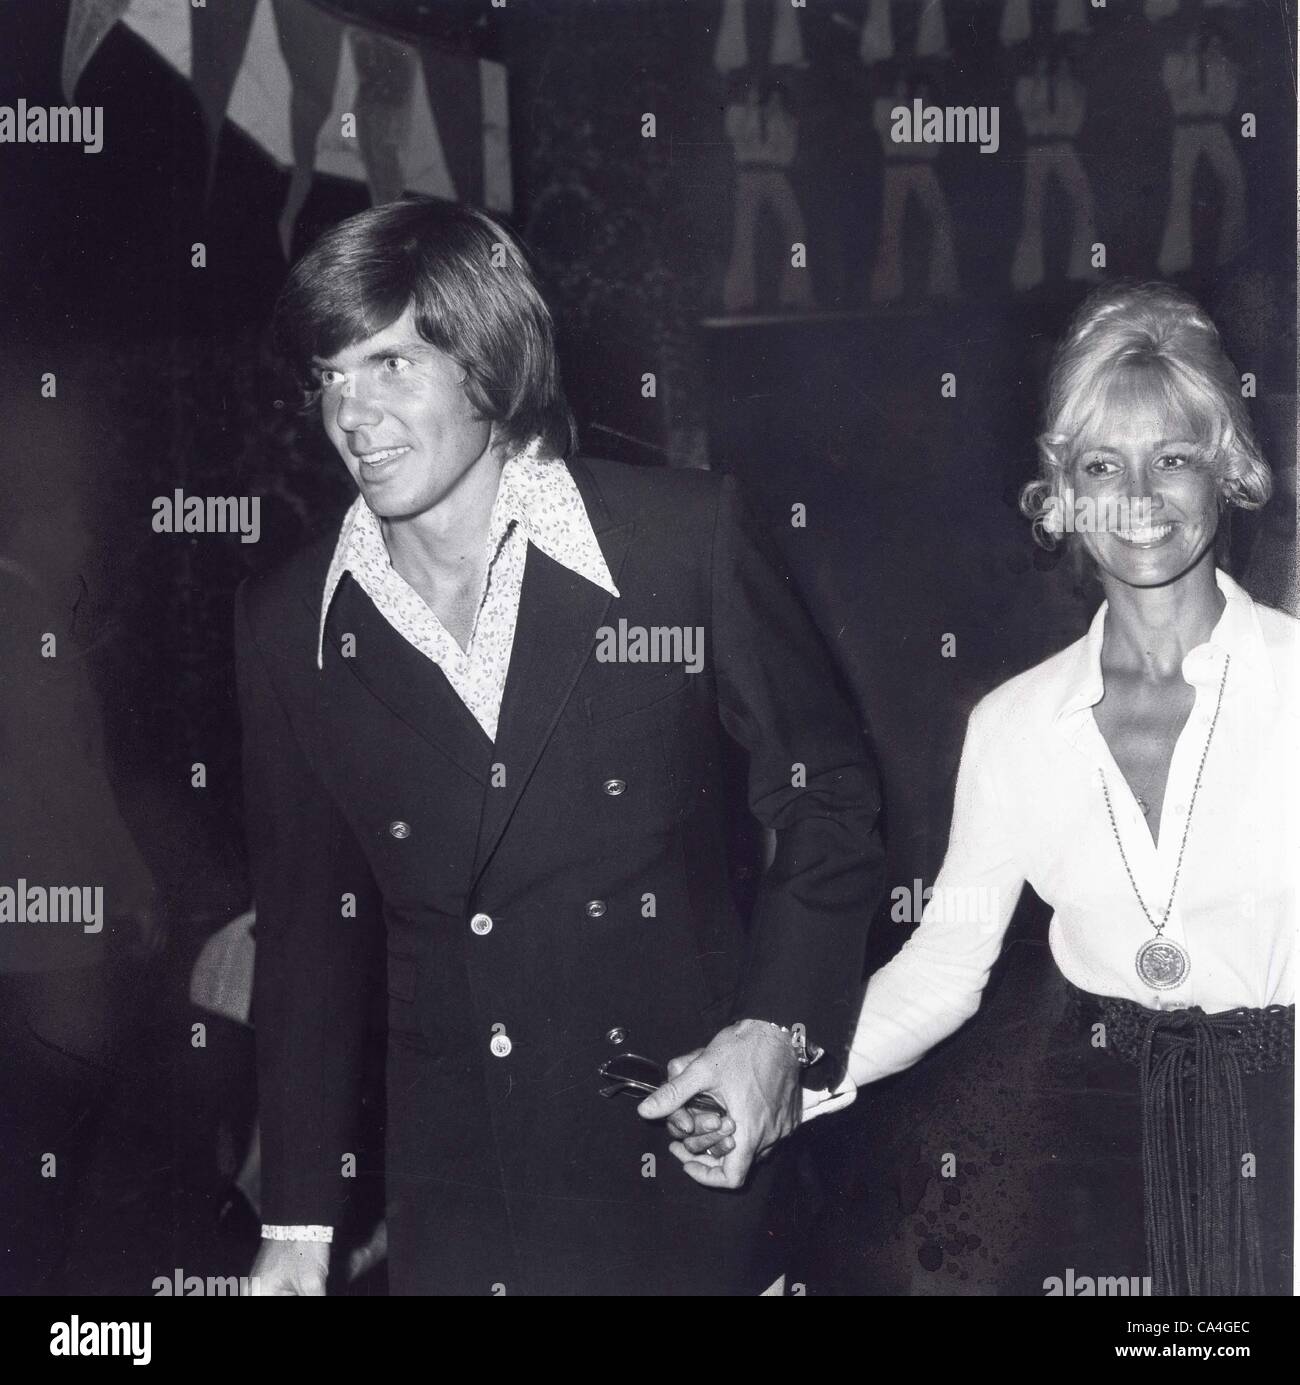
(702, 1132)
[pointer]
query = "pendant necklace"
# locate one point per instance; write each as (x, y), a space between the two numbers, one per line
(1160, 961)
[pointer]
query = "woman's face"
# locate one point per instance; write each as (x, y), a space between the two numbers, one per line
(1146, 496)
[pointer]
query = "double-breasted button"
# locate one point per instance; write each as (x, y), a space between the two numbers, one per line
(595, 908)
(500, 1045)
(481, 924)
(399, 829)
(617, 1035)
(614, 787)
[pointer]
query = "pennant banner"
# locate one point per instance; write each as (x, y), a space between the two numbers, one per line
(318, 95)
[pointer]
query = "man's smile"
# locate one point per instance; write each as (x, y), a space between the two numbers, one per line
(379, 458)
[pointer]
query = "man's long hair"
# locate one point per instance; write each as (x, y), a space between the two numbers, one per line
(473, 296)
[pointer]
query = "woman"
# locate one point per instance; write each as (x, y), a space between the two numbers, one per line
(1142, 781)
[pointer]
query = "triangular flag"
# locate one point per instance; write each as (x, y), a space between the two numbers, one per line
(787, 41)
(731, 50)
(385, 84)
(312, 44)
(1071, 17)
(1016, 22)
(932, 37)
(877, 34)
(218, 37)
(454, 87)
(88, 22)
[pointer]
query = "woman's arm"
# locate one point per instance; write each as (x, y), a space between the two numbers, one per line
(934, 984)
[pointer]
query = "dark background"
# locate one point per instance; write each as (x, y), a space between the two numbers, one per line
(166, 379)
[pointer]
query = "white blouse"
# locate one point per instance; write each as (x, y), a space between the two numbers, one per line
(1029, 807)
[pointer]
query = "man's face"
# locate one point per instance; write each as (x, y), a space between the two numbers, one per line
(396, 410)
(1163, 486)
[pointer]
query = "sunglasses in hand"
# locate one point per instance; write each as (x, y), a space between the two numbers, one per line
(638, 1077)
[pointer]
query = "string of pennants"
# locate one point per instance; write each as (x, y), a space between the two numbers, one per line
(1199, 77)
(317, 94)
(731, 50)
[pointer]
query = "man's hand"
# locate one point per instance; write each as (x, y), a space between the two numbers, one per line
(290, 1267)
(752, 1069)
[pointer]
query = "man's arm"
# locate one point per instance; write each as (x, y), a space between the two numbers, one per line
(812, 781)
(309, 985)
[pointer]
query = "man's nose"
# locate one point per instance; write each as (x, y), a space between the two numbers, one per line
(354, 411)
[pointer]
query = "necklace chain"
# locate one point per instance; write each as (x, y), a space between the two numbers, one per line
(1187, 826)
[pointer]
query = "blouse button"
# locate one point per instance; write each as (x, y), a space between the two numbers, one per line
(617, 1035)
(595, 908)
(481, 924)
(399, 829)
(614, 787)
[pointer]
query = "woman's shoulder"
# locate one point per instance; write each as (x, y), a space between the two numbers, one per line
(1281, 635)
(1281, 630)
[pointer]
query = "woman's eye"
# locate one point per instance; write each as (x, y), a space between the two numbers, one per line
(1172, 461)
(1098, 466)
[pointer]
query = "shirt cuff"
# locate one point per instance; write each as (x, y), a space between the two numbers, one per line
(321, 1234)
(819, 1103)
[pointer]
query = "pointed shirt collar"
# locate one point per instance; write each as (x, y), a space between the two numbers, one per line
(1237, 633)
(536, 493)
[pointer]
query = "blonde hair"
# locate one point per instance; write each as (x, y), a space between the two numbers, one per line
(1156, 341)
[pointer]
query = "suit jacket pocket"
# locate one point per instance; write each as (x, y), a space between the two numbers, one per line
(404, 1023)
(646, 694)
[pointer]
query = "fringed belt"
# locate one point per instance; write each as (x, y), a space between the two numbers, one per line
(1202, 1223)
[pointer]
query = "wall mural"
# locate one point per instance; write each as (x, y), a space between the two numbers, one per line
(786, 82)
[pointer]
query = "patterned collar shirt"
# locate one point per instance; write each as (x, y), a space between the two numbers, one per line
(537, 502)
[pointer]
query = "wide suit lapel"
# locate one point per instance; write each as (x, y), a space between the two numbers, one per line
(402, 678)
(559, 615)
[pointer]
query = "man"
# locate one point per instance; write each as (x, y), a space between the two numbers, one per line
(483, 720)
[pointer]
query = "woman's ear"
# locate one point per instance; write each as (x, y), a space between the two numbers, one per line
(1227, 491)
(1058, 509)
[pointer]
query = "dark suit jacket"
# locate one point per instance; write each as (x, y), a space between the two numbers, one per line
(612, 921)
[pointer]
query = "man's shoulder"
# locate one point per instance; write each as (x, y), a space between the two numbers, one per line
(290, 591)
(646, 493)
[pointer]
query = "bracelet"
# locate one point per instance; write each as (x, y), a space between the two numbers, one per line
(799, 1042)
(322, 1235)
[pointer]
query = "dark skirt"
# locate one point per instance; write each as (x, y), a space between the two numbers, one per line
(1009, 1162)
(1096, 1195)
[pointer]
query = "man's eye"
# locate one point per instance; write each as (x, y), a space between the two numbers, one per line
(326, 378)
(396, 365)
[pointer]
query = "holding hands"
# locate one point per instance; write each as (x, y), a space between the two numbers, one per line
(752, 1070)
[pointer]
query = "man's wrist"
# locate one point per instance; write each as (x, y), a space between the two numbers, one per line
(805, 1053)
(794, 1038)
